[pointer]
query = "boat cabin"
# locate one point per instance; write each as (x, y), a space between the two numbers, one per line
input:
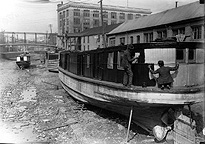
(105, 64)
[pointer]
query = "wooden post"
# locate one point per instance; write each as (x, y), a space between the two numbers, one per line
(130, 119)
(102, 24)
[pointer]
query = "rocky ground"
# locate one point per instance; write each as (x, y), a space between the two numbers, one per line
(35, 108)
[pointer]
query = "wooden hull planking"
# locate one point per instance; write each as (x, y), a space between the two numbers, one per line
(148, 107)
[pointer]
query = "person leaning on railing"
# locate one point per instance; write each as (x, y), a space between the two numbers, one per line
(165, 79)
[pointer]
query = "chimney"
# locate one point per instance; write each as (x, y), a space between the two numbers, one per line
(176, 4)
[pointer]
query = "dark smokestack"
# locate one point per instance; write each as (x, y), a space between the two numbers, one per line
(176, 4)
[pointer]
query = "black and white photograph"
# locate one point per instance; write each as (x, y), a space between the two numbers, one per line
(102, 72)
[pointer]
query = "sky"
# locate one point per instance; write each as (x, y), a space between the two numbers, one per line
(30, 16)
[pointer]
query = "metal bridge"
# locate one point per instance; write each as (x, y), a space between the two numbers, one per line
(11, 41)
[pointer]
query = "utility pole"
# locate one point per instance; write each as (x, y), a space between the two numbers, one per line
(50, 25)
(102, 23)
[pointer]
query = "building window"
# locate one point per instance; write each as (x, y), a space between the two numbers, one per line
(76, 12)
(76, 29)
(86, 22)
(148, 37)
(137, 16)
(105, 14)
(130, 16)
(88, 47)
(122, 41)
(122, 16)
(119, 59)
(67, 13)
(67, 21)
(112, 41)
(113, 15)
(110, 60)
(96, 14)
(83, 39)
(88, 39)
(113, 21)
(88, 61)
(180, 55)
(196, 31)
(138, 39)
(162, 34)
(131, 40)
(63, 14)
(84, 48)
(105, 22)
(96, 22)
(86, 13)
(76, 21)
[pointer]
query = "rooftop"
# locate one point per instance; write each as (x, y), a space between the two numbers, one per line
(185, 12)
(105, 7)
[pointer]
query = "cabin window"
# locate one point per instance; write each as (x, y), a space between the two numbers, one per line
(110, 60)
(112, 41)
(191, 55)
(180, 55)
(119, 59)
(196, 32)
(88, 61)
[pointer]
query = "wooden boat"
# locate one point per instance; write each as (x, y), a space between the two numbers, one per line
(95, 77)
(23, 61)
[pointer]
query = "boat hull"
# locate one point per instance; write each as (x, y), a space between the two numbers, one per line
(146, 113)
(23, 64)
(145, 117)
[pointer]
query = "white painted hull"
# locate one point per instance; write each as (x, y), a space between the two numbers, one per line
(148, 106)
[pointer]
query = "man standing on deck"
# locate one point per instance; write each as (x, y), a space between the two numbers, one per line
(126, 63)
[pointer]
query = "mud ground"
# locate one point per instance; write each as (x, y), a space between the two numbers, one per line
(35, 109)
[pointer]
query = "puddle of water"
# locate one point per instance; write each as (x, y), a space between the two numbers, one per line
(29, 95)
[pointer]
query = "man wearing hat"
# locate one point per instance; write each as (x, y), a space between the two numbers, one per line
(126, 63)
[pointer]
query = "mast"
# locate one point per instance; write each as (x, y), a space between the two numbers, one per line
(102, 23)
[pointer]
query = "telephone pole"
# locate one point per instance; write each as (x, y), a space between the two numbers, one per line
(102, 23)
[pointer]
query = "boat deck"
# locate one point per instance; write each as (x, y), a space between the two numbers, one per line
(176, 89)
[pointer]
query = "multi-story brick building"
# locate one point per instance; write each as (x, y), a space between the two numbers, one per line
(77, 16)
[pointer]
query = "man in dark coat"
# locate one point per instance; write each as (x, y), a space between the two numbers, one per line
(165, 79)
(126, 63)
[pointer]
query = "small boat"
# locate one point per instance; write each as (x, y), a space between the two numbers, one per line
(95, 77)
(23, 61)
